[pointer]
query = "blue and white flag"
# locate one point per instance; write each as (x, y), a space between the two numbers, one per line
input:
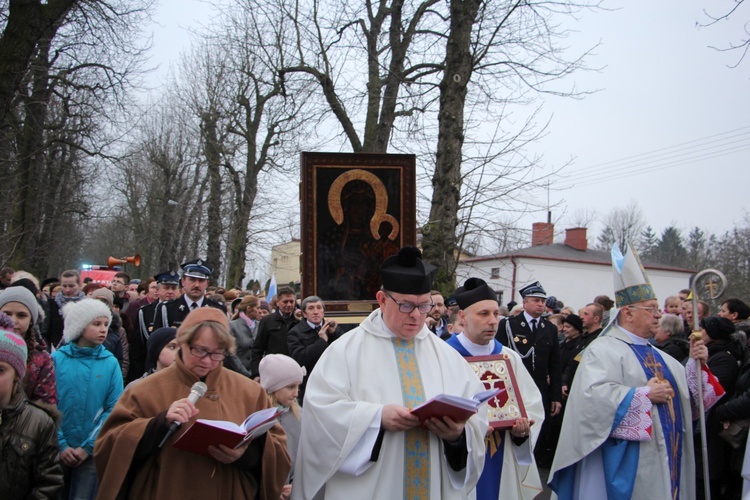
(272, 287)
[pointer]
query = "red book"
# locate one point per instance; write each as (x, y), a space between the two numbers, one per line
(457, 408)
(205, 433)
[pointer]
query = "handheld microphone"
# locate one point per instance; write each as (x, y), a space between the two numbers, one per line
(196, 392)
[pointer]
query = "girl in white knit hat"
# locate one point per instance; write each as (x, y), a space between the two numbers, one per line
(281, 376)
(89, 381)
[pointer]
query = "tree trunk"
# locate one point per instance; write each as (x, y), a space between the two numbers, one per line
(29, 21)
(212, 151)
(439, 234)
(29, 171)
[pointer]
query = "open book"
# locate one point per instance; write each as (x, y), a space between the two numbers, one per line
(205, 433)
(459, 409)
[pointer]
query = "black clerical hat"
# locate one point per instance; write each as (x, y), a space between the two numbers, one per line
(407, 273)
(474, 290)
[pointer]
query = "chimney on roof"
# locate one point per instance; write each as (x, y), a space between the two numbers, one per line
(575, 237)
(542, 233)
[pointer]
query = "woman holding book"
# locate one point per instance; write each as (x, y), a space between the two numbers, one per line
(128, 455)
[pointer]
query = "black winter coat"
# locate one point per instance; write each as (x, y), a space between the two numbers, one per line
(28, 447)
(723, 361)
(678, 348)
(306, 347)
(270, 338)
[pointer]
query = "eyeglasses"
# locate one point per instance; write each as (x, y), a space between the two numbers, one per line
(652, 310)
(407, 307)
(201, 353)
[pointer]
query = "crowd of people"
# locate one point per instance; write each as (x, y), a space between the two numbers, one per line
(98, 382)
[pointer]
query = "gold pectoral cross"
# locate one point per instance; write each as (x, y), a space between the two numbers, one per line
(655, 367)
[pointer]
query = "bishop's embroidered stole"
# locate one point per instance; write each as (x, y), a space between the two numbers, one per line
(670, 413)
(417, 440)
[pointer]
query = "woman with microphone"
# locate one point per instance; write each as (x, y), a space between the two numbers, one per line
(128, 456)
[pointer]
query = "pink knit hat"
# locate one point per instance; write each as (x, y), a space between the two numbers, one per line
(12, 347)
(278, 371)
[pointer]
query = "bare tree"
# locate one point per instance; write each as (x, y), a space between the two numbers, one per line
(743, 44)
(392, 39)
(162, 187)
(494, 46)
(77, 79)
(248, 118)
(621, 226)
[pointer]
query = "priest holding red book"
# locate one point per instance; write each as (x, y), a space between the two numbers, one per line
(359, 438)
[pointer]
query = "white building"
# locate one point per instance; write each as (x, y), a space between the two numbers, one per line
(285, 262)
(570, 271)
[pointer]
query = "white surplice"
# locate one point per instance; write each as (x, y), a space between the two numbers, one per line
(609, 369)
(356, 376)
(520, 475)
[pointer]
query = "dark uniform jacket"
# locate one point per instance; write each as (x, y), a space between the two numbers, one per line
(173, 313)
(544, 362)
(271, 338)
(176, 310)
(142, 328)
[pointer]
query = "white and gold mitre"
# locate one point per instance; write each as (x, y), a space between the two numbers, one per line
(631, 283)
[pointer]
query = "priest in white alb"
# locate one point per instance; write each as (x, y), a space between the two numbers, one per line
(627, 430)
(510, 470)
(359, 439)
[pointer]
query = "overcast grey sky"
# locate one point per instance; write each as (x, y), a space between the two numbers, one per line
(670, 127)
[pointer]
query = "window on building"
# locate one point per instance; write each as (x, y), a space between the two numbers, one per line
(495, 273)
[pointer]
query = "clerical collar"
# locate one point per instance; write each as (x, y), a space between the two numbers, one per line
(475, 349)
(635, 338)
(384, 327)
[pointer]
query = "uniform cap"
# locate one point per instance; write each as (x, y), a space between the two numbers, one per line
(168, 278)
(533, 290)
(197, 268)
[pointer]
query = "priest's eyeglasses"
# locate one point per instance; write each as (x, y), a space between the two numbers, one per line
(201, 353)
(407, 307)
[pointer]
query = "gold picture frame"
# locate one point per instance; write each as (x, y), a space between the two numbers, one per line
(495, 371)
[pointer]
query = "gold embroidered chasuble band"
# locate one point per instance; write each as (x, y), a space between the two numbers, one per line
(417, 440)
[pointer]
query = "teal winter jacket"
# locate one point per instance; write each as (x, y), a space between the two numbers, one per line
(89, 381)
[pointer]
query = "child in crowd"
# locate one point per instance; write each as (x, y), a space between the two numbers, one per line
(23, 309)
(557, 320)
(161, 351)
(673, 305)
(89, 381)
(28, 437)
(455, 325)
(281, 376)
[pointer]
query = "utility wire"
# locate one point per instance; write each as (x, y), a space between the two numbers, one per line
(709, 147)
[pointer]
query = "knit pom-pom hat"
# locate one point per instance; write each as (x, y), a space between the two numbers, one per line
(12, 347)
(78, 315)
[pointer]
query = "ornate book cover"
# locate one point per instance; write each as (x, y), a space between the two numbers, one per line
(497, 373)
